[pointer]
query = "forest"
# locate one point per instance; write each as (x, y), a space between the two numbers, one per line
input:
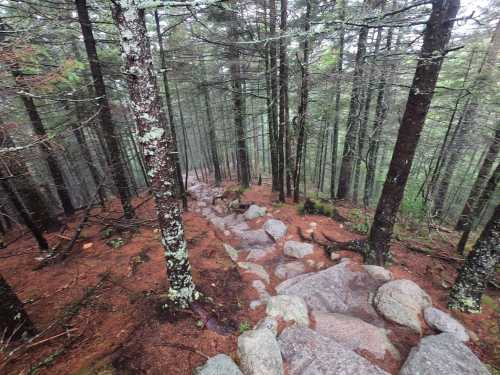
(252, 187)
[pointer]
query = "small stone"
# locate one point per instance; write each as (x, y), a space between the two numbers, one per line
(259, 286)
(310, 262)
(335, 256)
(259, 253)
(290, 269)
(87, 246)
(275, 228)
(290, 308)
(268, 322)
(259, 353)
(231, 251)
(442, 354)
(250, 238)
(218, 365)
(254, 212)
(320, 265)
(256, 269)
(378, 273)
(443, 322)
(402, 301)
(254, 304)
(298, 249)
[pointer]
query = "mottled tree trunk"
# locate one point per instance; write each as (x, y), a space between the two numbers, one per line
(170, 110)
(436, 36)
(353, 119)
(14, 321)
(303, 102)
(157, 145)
(111, 137)
(479, 268)
(283, 139)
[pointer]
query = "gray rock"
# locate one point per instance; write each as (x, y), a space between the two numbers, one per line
(254, 212)
(239, 227)
(442, 354)
(335, 256)
(309, 353)
(443, 322)
(256, 269)
(259, 286)
(269, 323)
(402, 301)
(290, 269)
(221, 364)
(290, 308)
(354, 333)
(298, 249)
(337, 289)
(231, 251)
(259, 252)
(275, 228)
(251, 238)
(233, 220)
(378, 273)
(254, 304)
(259, 353)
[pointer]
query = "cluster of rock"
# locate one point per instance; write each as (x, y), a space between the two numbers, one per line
(333, 315)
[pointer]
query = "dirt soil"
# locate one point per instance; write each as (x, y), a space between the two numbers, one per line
(108, 294)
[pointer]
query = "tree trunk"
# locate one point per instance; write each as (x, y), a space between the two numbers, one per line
(111, 137)
(170, 110)
(283, 157)
(238, 100)
(481, 178)
(158, 146)
(303, 101)
(14, 321)
(353, 118)
(478, 270)
(338, 88)
(436, 36)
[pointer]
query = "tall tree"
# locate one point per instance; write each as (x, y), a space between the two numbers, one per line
(170, 110)
(435, 39)
(353, 119)
(283, 136)
(338, 87)
(303, 102)
(157, 145)
(111, 136)
(478, 269)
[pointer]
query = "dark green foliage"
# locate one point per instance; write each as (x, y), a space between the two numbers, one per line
(314, 207)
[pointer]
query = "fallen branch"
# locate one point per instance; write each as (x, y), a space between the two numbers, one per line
(50, 338)
(433, 255)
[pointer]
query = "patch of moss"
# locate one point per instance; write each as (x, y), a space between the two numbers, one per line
(316, 207)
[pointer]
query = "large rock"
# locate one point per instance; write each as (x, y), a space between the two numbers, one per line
(298, 249)
(251, 238)
(259, 353)
(218, 365)
(309, 353)
(354, 333)
(442, 354)
(290, 269)
(255, 269)
(338, 289)
(290, 308)
(402, 301)
(377, 272)
(259, 286)
(275, 228)
(254, 212)
(260, 252)
(268, 322)
(443, 322)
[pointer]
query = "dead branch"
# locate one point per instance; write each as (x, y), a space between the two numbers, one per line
(433, 255)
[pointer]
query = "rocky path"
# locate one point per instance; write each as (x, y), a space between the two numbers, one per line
(331, 316)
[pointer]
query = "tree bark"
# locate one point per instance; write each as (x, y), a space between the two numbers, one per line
(283, 157)
(157, 145)
(14, 321)
(111, 138)
(170, 110)
(478, 269)
(436, 37)
(303, 102)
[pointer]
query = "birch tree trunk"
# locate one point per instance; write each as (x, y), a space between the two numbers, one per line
(157, 145)
(436, 37)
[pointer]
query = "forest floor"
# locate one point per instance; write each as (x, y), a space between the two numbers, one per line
(100, 309)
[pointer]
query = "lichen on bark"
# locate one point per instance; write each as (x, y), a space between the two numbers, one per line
(158, 146)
